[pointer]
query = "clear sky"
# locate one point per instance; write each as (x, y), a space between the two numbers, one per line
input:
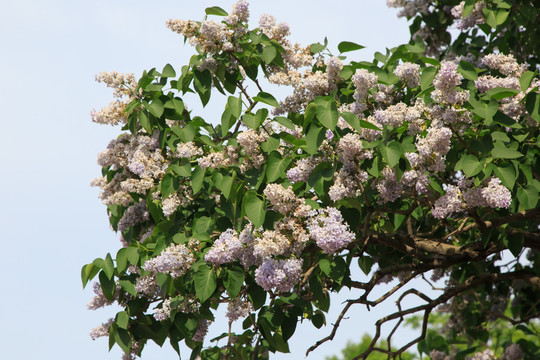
(51, 220)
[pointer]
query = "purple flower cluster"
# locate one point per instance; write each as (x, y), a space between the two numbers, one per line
(445, 82)
(513, 352)
(302, 170)
(279, 274)
(238, 308)
(226, 248)
(175, 260)
(327, 228)
(409, 73)
(494, 195)
(447, 204)
(389, 188)
(202, 329)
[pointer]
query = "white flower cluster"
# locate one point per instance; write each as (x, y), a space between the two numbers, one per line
(123, 85)
(250, 140)
(445, 83)
(409, 73)
(101, 330)
(474, 18)
(457, 198)
(238, 308)
(174, 260)
(327, 228)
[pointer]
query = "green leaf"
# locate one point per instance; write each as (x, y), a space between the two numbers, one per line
(255, 209)
(202, 82)
(393, 153)
(145, 122)
(234, 279)
(122, 319)
(501, 16)
(156, 108)
(499, 93)
(215, 10)
(309, 114)
(269, 54)
(428, 74)
(266, 98)
(365, 263)
(485, 111)
(108, 267)
(324, 265)
(500, 151)
(168, 71)
(197, 178)
(121, 260)
(514, 243)
(528, 197)
(285, 122)
(227, 121)
(122, 337)
(256, 295)
(490, 17)
(507, 174)
(327, 112)
(316, 48)
(186, 133)
(467, 70)
(346, 46)
(205, 282)
(357, 123)
(107, 285)
(235, 106)
(88, 272)
(471, 165)
(169, 184)
(276, 166)
(314, 139)
(254, 121)
(526, 80)
(132, 254)
(533, 105)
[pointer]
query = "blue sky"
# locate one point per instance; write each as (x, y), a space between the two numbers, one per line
(52, 222)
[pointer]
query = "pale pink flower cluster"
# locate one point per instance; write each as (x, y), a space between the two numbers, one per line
(101, 330)
(99, 300)
(147, 285)
(445, 83)
(239, 13)
(202, 330)
(170, 204)
(174, 260)
(216, 160)
(112, 114)
(135, 214)
(363, 80)
(506, 64)
(487, 354)
(123, 85)
(187, 150)
(409, 73)
(282, 200)
(270, 28)
(476, 16)
(238, 308)
(347, 183)
(513, 352)
(389, 188)
(349, 148)
(250, 140)
(279, 274)
(164, 312)
(328, 229)
(302, 170)
(494, 195)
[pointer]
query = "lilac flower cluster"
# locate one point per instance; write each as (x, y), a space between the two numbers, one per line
(101, 330)
(99, 300)
(409, 73)
(389, 188)
(302, 170)
(134, 215)
(202, 330)
(363, 80)
(513, 352)
(239, 13)
(283, 200)
(174, 260)
(238, 308)
(494, 195)
(445, 83)
(147, 285)
(474, 18)
(279, 274)
(449, 203)
(225, 249)
(330, 232)
(484, 355)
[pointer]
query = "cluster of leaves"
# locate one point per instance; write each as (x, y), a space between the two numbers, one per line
(391, 237)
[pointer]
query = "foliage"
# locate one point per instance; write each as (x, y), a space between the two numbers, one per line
(352, 349)
(408, 165)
